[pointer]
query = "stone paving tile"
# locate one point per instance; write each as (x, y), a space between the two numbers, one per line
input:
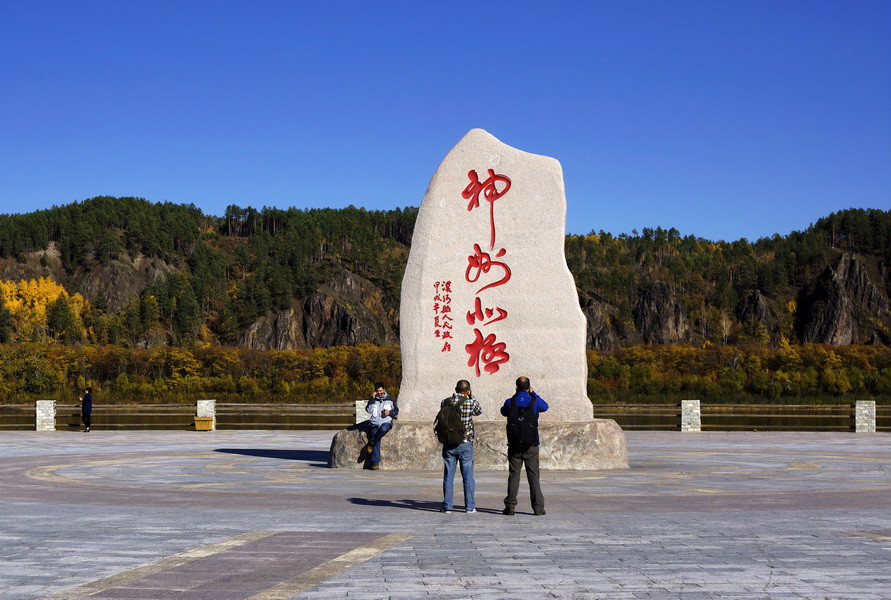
(760, 529)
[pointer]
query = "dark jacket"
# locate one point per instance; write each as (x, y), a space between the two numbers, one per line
(86, 404)
(525, 399)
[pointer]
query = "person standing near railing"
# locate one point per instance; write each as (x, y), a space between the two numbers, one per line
(86, 408)
(382, 408)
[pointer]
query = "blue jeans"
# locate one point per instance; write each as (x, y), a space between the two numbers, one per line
(462, 453)
(374, 438)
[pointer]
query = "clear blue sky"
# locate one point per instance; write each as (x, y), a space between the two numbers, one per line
(722, 119)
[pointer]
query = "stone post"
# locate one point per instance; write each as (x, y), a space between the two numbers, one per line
(208, 408)
(361, 415)
(691, 416)
(46, 415)
(865, 416)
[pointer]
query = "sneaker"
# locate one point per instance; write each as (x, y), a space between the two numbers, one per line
(87, 430)
(508, 510)
(375, 467)
(539, 513)
(447, 511)
(472, 510)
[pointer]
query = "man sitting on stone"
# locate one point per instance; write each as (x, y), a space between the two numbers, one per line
(521, 411)
(382, 408)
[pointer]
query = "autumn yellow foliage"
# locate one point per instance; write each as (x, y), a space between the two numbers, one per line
(28, 303)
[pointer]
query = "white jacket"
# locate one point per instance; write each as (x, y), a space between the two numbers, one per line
(376, 409)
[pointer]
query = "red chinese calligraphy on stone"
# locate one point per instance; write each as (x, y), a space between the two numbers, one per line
(480, 262)
(480, 314)
(491, 193)
(441, 321)
(487, 351)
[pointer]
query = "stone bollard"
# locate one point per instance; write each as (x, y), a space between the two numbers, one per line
(46, 415)
(208, 408)
(361, 415)
(865, 416)
(691, 416)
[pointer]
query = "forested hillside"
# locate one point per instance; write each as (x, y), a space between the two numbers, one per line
(128, 272)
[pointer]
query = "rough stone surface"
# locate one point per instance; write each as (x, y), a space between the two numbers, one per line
(865, 416)
(520, 228)
(115, 281)
(827, 309)
(343, 312)
(601, 334)
(755, 307)
(597, 444)
(45, 415)
(658, 316)
(691, 415)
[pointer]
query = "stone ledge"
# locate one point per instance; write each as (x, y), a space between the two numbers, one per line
(582, 446)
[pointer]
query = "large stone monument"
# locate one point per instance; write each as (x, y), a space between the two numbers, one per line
(487, 297)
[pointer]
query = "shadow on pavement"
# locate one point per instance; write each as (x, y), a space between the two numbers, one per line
(319, 458)
(407, 503)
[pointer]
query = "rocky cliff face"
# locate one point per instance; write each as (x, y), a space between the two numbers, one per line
(600, 334)
(345, 311)
(658, 317)
(754, 307)
(115, 281)
(828, 309)
(757, 308)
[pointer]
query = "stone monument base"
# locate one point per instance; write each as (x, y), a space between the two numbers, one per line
(410, 446)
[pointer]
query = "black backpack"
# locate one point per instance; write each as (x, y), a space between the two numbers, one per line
(522, 424)
(448, 425)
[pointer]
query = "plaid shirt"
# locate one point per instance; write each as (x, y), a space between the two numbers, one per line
(469, 409)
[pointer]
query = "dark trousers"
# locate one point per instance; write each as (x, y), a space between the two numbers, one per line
(517, 456)
(85, 417)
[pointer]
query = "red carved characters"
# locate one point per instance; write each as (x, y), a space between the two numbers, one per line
(481, 262)
(491, 193)
(442, 319)
(486, 350)
(479, 315)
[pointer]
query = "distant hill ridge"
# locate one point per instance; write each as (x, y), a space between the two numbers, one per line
(167, 274)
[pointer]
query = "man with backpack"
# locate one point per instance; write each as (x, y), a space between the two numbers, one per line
(522, 411)
(454, 428)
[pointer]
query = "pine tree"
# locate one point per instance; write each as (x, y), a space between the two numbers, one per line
(61, 320)
(5, 322)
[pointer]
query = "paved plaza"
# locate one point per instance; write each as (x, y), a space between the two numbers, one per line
(234, 515)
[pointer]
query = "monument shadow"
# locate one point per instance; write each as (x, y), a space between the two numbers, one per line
(317, 458)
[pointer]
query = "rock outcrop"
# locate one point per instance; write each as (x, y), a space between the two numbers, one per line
(600, 334)
(345, 311)
(754, 307)
(658, 316)
(113, 282)
(827, 308)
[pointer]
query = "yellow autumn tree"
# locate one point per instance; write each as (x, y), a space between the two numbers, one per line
(28, 303)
